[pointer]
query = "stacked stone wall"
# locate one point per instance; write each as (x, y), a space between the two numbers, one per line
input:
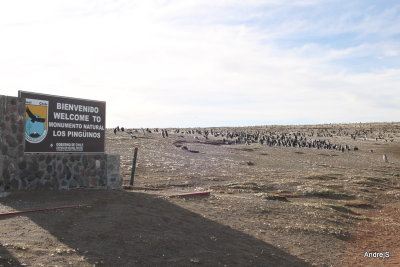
(19, 170)
(114, 179)
(11, 138)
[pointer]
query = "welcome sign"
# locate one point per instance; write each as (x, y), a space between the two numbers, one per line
(63, 124)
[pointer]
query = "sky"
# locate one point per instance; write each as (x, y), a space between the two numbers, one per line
(209, 63)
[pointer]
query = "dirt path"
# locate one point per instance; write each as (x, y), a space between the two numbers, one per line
(380, 234)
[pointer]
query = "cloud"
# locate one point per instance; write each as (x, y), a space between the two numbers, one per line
(198, 63)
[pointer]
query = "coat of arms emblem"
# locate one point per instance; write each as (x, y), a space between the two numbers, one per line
(36, 125)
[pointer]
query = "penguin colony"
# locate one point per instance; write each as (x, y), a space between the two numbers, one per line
(309, 139)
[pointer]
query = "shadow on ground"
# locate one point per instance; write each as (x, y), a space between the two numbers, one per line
(134, 229)
(6, 259)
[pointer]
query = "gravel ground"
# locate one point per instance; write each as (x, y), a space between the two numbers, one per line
(268, 206)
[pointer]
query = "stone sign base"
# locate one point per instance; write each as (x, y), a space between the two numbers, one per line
(19, 170)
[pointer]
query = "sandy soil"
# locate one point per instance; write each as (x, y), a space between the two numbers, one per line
(269, 206)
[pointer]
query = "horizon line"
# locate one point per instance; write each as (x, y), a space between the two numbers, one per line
(262, 125)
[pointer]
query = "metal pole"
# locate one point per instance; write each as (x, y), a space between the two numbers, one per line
(134, 165)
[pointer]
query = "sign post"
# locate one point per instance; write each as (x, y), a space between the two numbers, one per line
(134, 165)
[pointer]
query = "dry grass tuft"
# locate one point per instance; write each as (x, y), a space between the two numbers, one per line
(342, 209)
(323, 177)
(359, 204)
(17, 246)
(273, 197)
(328, 193)
(248, 186)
